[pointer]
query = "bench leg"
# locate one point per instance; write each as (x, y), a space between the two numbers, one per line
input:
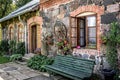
(50, 75)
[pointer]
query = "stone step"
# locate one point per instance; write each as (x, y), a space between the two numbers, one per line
(25, 58)
(28, 56)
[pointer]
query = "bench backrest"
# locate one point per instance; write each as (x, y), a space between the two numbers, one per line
(74, 63)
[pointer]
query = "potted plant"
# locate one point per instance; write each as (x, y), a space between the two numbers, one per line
(63, 46)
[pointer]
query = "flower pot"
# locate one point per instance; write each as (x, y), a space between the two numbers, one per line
(109, 74)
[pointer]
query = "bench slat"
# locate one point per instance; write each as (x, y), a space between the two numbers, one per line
(78, 65)
(75, 63)
(82, 69)
(79, 75)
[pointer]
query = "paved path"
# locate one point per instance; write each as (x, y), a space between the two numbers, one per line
(14, 71)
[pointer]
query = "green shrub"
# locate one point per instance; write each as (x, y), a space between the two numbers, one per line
(38, 62)
(4, 59)
(20, 48)
(12, 46)
(4, 47)
(16, 48)
(112, 43)
(15, 57)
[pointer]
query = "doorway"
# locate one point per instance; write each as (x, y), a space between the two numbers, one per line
(33, 38)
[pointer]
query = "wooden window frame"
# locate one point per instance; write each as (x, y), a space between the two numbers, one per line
(20, 33)
(10, 33)
(86, 31)
(75, 28)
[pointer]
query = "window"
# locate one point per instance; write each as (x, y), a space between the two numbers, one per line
(91, 26)
(11, 31)
(86, 31)
(20, 34)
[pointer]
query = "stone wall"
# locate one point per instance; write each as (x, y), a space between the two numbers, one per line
(108, 11)
(61, 10)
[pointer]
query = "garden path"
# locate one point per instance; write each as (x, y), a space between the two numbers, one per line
(15, 71)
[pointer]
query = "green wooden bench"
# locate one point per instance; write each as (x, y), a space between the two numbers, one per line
(71, 67)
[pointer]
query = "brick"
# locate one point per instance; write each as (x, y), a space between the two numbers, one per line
(113, 8)
(50, 3)
(88, 8)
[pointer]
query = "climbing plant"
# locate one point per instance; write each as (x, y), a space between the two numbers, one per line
(113, 40)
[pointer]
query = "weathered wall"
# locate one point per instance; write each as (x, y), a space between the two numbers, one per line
(26, 21)
(54, 10)
(61, 10)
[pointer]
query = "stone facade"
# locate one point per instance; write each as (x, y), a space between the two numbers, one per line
(26, 21)
(52, 11)
(64, 9)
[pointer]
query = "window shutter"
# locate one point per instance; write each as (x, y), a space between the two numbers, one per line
(73, 25)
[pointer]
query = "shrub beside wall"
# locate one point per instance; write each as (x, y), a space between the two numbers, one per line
(11, 47)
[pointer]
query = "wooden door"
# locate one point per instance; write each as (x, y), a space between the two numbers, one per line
(34, 38)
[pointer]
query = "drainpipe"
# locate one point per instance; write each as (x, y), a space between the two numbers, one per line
(25, 25)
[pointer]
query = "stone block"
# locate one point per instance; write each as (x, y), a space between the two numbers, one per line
(113, 8)
(71, 6)
(107, 2)
(31, 74)
(66, 21)
(82, 2)
(76, 4)
(62, 8)
(55, 12)
(108, 18)
(21, 76)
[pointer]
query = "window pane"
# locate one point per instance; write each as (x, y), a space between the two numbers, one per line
(81, 23)
(92, 32)
(81, 32)
(91, 21)
(82, 41)
(92, 41)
